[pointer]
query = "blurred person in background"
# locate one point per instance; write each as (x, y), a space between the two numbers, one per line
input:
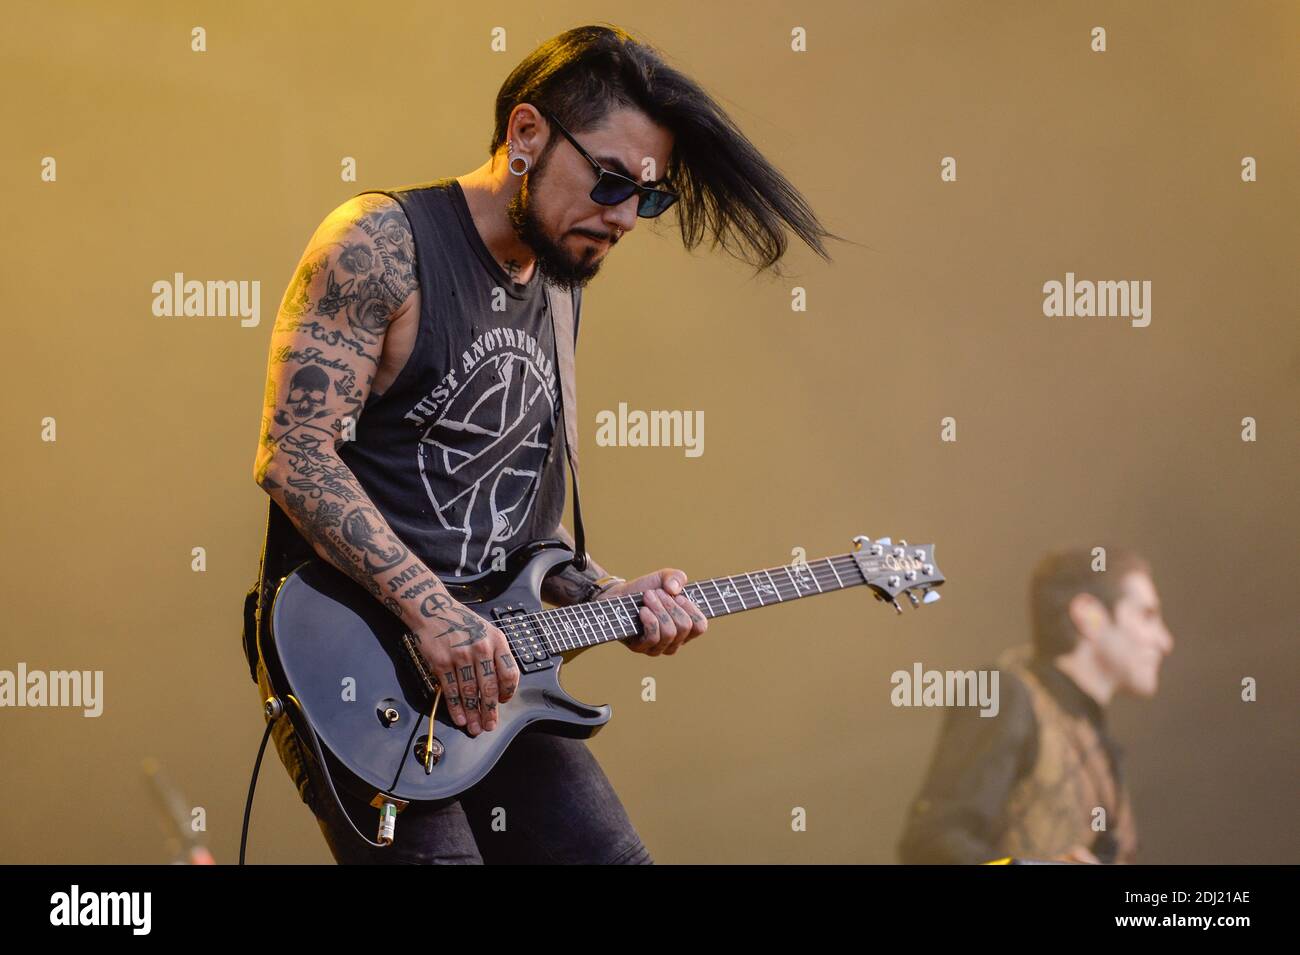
(1043, 778)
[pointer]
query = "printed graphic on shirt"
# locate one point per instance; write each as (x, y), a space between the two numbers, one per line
(487, 432)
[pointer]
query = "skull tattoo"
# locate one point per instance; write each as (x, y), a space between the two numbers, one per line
(307, 392)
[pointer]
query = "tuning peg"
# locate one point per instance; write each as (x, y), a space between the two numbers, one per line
(885, 542)
(931, 596)
(896, 606)
(912, 597)
(860, 541)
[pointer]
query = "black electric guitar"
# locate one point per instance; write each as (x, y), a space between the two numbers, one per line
(357, 677)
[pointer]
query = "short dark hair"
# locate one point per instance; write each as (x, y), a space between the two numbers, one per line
(1060, 577)
(727, 188)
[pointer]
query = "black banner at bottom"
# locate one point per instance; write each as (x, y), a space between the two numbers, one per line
(977, 904)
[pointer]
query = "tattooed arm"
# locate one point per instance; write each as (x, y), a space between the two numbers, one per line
(569, 586)
(355, 278)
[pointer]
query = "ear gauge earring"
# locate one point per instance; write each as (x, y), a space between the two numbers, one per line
(510, 148)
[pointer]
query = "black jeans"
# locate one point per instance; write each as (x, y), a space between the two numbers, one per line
(545, 801)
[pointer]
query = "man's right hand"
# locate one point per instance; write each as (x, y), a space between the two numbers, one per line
(473, 662)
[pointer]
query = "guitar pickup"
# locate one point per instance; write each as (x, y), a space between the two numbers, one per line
(530, 650)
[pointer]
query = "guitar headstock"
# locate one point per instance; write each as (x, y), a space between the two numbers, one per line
(893, 570)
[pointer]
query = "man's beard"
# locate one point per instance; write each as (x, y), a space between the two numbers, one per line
(556, 263)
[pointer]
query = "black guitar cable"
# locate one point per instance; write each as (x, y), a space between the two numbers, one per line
(274, 710)
(252, 787)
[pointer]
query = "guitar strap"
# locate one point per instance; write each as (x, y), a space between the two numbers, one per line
(564, 331)
(284, 548)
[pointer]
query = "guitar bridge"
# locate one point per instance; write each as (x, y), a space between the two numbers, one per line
(421, 669)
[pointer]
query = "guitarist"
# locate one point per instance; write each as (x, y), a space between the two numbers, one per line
(413, 402)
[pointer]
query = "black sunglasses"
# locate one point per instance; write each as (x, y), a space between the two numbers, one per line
(612, 188)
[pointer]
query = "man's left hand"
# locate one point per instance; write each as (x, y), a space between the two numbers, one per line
(668, 617)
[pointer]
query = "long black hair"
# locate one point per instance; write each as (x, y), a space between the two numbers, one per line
(727, 188)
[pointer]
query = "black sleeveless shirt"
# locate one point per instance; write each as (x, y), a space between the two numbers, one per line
(463, 453)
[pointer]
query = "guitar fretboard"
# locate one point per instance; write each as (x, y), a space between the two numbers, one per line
(617, 618)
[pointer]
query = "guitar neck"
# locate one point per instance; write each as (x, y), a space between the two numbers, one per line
(617, 618)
